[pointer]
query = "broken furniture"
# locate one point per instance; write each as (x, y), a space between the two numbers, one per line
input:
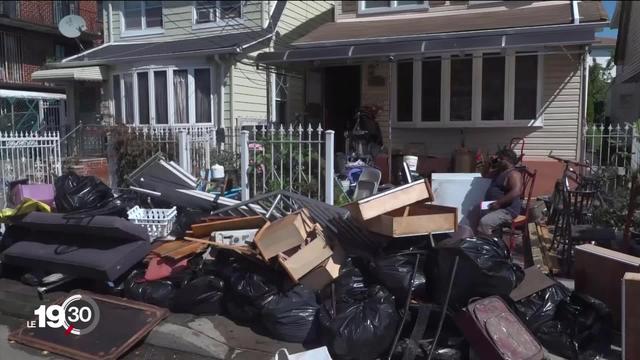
(630, 316)
(599, 272)
(283, 234)
(122, 323)
(98, 247)
(462, 191)
(403, 211)
(367, 184)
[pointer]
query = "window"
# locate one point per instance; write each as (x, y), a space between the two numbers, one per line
(117, 99)
(166, 96)
(526, 81)
(141, 15)
(474, 90)
(9, 8)
(59, 51)
(62, 8)
(202, 78)
(381, 6)
(161, 99)
(282, 93)
(404, 109)
(10, 57)
(180, 97)
(128, 98)
(461, 88)
(143, 97)
(493, 80)
(212, 11)
(431, 83)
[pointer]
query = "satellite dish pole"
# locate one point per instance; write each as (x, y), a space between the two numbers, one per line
(72, 26)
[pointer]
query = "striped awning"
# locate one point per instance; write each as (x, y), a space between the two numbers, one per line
(87, 73)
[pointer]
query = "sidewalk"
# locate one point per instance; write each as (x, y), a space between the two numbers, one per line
(180, 336)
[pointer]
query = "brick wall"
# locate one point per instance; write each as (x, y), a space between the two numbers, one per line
(92, 15)
(377, 93)
(39, 12)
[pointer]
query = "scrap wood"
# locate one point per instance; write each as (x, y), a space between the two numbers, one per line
(205, 229)
(551, 260)
(536, 251)
(240, 249)
(177, 249)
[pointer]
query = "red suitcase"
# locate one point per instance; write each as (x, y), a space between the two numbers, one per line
(496, 333)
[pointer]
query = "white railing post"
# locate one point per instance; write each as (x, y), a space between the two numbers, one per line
(328, 171)
(183, 150)
(635, 147)
(244, 165)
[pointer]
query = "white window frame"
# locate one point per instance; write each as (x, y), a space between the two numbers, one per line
(392, 8)
(476, 111)
(218, 21)
(143, 20)
(213, 73)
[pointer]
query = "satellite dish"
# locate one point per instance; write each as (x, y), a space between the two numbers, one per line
(72, 26)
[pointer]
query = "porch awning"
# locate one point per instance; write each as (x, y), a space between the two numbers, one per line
(88, 73)
(490, 42)
(38, 95)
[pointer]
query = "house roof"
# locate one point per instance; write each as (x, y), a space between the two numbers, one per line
(606, 42)
(507, 17)
(118, 52)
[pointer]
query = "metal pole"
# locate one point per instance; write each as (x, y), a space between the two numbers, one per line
(244, 165)
(183, 151)
(635, 156)
(328, 171)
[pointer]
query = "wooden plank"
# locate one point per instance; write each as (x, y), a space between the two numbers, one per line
(599, 272)
(397, 198)
(306, 258)
(168, 247)
(630, 316)
(240, 249)
(205, 229)
(536, 251)
(189, 249)
(283, 234)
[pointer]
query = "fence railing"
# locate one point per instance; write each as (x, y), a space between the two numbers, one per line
(31, 156)
(298, 160)
(612, 151)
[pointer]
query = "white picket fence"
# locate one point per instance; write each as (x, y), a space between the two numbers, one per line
(615, 149)
(31, 156)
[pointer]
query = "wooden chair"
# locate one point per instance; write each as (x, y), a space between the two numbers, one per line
(521, 221)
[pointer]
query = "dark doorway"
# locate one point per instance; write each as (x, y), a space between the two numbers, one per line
(342, 99)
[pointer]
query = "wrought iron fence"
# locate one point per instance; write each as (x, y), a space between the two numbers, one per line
(297, 160)
(31, 156)
(612, 151)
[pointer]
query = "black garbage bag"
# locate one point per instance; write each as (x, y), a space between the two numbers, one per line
(248, 288)
(540, 308)
(158, 292)
(484, 269)
(291, 316)
(74, 192)
(395, 271)
(358, 322)
(200, 296)
(116, 206)
(581, 328)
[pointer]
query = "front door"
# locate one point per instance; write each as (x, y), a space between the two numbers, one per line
(342, 100)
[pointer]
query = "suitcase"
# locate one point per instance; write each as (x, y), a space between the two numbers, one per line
(496, 333)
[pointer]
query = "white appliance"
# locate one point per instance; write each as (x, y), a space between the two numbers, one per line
(465, 191)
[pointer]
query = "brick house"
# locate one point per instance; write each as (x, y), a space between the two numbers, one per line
(29, 38)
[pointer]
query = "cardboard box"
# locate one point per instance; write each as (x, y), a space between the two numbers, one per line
(415, 219)
(630, 316)
(324, 274)
(284, 234)
(599, 273)
(298, 262)
(387, 201)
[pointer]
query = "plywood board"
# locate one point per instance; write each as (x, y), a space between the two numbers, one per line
(306, 258)
(324, 274)
(630, 316)
(397, 198)
(599, 273)
(283, 234)
(205, 229)
(416, 219)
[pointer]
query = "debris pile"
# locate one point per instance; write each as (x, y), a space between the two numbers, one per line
(381, 278)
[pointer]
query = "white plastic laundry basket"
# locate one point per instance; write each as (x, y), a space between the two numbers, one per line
(158, 222)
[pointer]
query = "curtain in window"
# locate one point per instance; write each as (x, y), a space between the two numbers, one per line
(203, 95)
(117, 99)
(153, 13)
(128, 98)
(160, 86)
(143, 97)
(180, 88)
(404, 106)
(526, 87)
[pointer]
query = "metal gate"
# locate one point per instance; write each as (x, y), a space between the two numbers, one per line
(31, 156)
